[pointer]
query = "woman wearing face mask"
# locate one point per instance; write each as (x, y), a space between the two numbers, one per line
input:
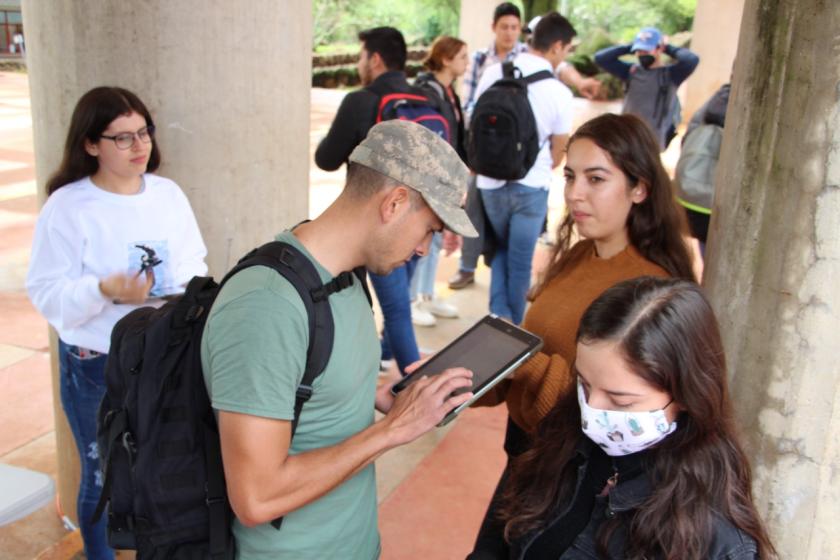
(110, 237)
(447, 61)
(620, 201)
(641, 459)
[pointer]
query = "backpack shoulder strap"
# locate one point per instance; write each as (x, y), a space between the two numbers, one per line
(435, 86)
(539, 76)
(508, 69)
(295, 267)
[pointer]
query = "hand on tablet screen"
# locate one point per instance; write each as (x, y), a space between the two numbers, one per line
(424, 403)
(387, 380)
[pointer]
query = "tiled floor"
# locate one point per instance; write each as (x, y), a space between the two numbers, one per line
(441, 482)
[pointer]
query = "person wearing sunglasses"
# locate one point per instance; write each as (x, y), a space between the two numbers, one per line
(111, 236)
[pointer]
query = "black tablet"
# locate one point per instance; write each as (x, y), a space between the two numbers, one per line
(491, 349)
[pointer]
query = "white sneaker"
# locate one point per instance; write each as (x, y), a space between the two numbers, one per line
(421, 317)
(440, 309)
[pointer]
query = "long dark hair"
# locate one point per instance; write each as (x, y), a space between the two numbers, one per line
(656, 226)
(669, 336)
(93, 113)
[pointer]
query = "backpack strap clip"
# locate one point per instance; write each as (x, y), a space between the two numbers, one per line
(340, 282)
(508, 69)
(303, 393)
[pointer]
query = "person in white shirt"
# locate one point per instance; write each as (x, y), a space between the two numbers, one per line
(507, 27)
(516, 209)
(110, 237)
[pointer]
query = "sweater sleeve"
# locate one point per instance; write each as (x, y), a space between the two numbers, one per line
(608, 59)
(686, 62)
(55, 283)
(536, 387)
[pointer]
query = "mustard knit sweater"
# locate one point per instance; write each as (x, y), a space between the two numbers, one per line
(554, 316)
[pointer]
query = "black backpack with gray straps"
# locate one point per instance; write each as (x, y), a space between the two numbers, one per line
(164, 484)
(503, 141)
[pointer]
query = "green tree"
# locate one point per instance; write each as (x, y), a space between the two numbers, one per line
(533, 8)
(623, 19)
(339, 21)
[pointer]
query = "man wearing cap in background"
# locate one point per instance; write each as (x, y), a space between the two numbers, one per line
(507, 28)
(651, 85)
(403, 184)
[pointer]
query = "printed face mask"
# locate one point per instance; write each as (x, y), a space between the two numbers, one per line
(646, 60)
(622, 433)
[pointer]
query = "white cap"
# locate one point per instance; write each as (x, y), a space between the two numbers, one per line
(532, 25)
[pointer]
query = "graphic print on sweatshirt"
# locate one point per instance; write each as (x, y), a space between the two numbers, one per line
(154, 256)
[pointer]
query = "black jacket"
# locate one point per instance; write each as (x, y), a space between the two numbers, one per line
(728, 543)
(355, 116)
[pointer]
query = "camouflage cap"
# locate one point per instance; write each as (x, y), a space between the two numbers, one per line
(416, 157)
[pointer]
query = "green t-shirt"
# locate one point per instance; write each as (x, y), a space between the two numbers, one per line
(253, 353)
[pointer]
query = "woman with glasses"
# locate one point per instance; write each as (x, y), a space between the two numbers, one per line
(111, 237)
(641, 458)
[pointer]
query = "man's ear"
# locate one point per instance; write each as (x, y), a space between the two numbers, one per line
(375, 60)
(394, 203)
(639, 193)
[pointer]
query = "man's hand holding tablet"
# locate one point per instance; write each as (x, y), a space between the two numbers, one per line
(491, 349)
(420, 407)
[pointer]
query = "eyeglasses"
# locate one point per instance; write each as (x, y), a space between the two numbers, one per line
(126, 140)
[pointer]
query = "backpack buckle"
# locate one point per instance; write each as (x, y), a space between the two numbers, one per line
(319, 294)
(344, 280)
(304, 392)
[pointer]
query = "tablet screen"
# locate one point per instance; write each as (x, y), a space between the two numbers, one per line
(486, 349)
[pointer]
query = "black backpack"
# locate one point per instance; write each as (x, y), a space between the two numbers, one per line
(503, 141)
(157, 434)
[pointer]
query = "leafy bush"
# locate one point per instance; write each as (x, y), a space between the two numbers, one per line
(419, 20)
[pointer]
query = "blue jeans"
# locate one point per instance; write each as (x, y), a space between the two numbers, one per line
(82, 388)
(423, 280)
(516, 214)
(398, 339)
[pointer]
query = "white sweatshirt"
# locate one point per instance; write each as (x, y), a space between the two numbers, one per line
(85, 234)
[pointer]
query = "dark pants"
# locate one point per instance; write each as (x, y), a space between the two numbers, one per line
(517, 441)
(698, 224)
(392, 292)
(473, 246)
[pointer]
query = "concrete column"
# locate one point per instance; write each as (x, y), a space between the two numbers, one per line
(228, 86)
(717, 24)
(774, 263)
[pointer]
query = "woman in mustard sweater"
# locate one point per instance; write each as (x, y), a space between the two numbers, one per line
(620, 201)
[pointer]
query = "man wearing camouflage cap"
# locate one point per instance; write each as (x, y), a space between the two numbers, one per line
(403, 184)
